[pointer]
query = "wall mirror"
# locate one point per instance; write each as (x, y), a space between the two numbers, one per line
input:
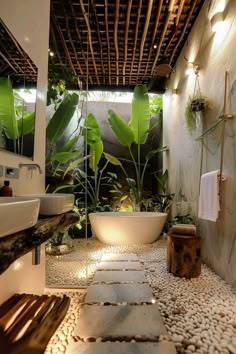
(18, 82)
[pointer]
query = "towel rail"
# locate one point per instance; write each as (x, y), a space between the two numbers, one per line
(222, 119)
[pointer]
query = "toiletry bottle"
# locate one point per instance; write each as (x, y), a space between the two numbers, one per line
(6, 190)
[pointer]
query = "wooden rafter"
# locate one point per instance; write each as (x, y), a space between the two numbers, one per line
(154, 34)
(89, 39)
(126, 38)
(79, 38)
(176, 27)
(184, 30)
(148, 15)
(73, 46)
(170, 9)
(99, 35)
(136, 36)
(63, 42)
(108, 41)
(116, 39)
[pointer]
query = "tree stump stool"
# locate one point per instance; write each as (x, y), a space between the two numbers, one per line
(184, 255)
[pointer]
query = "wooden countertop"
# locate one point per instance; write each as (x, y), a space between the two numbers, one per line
(18, 244)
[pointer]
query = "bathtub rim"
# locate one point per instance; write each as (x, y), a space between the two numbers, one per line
(129, 213)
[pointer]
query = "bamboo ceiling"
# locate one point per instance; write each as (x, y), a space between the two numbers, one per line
(109, 44)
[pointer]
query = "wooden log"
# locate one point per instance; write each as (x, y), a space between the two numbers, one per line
(184, 255)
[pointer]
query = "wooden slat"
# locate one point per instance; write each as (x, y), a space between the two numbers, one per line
(46, 313)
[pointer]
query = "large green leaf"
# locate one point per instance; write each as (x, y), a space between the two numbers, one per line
(112, 159)
(61, 118)
(92, 132)
(74, 164)
(69, 144)
(66, 156)
(95, 152)
(26, 123)
(140, 114)
(152, 153)
(122, 131)
(7, 109)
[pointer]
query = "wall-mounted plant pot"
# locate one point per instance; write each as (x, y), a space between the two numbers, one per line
(198, 105)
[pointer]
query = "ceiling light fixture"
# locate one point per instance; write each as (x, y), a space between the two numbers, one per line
(217, 21)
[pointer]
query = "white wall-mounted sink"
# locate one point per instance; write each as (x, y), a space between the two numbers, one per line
(54, 203)
(17, 214)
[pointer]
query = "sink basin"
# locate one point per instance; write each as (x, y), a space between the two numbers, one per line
(17, 213)
(54, 203)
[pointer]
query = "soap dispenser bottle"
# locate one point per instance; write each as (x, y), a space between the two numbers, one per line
(6, 190)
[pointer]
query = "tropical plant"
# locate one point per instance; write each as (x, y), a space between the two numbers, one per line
(14, 119)
(90, 182)
(58, 157)
(197, 103)
(135, 133)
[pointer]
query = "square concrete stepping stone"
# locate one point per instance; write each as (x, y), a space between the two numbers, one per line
(119, 257)
(120, 276)
(115, 293)
(118, 265)
(128, 321)
(121, 348)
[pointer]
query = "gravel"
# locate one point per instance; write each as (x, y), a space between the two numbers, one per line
(199, 314)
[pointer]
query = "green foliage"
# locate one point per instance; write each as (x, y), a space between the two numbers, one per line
(135, 133)
(196, 103)
(61, 118)
(140, 114)
(7, 109)
(155, 104)
(121, 129)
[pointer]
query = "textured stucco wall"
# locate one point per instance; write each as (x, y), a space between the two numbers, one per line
(215, 53)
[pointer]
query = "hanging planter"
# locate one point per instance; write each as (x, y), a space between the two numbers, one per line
(196, 105)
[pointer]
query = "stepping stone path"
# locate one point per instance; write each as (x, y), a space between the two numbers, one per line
(119, 314)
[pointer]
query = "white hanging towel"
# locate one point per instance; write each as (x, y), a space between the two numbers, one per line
(209, 202)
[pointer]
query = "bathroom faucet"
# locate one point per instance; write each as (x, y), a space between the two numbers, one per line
(31, 166)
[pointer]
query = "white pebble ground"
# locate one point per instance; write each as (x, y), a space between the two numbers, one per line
(199, 314)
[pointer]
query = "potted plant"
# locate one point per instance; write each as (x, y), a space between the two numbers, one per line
(196, 105)
(134, 135)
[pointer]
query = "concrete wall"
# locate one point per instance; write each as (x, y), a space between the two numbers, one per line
(29, 22)
(215, 53)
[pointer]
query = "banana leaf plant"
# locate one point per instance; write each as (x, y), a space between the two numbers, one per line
(91, 183)
(57, 158)
(135, 133)
(14, 119)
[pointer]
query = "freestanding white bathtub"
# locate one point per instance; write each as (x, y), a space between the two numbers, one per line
(127, 228)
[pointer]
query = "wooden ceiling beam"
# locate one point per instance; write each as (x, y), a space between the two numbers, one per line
(126, 38)
(183, 31)
(154, 34)
(147, 20)
(89, 39)
(108, 40)
(177, 25)
(170, 9)
(136, 33)
(79, 37)
(67, 53)
(116, 38)
(98, 34)
(73, 46)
